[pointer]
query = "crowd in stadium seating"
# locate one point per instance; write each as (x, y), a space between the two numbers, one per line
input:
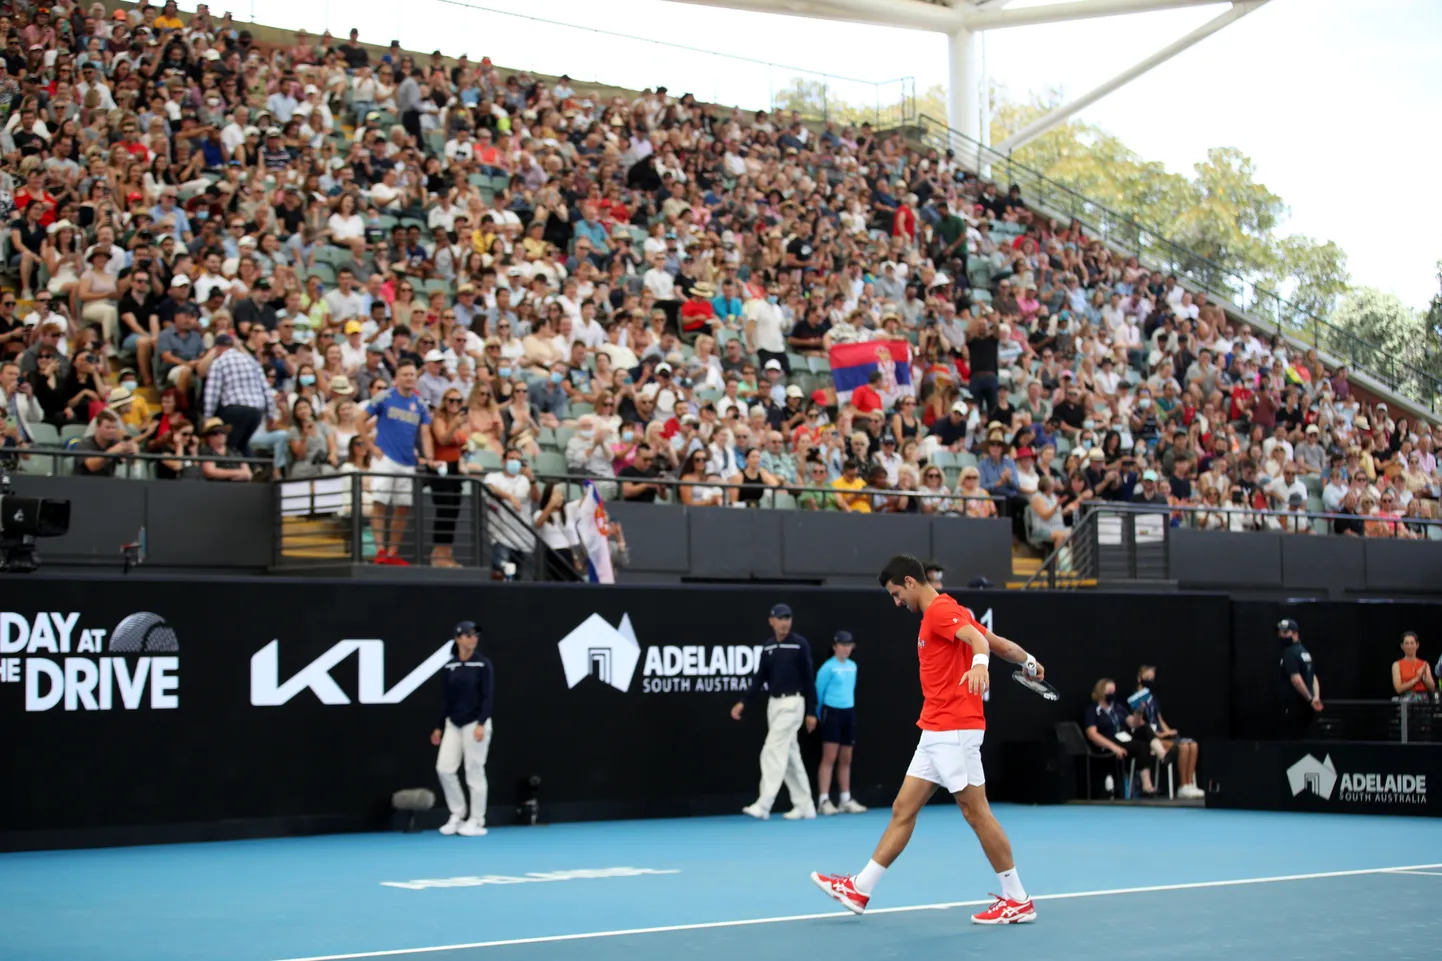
(219, 247)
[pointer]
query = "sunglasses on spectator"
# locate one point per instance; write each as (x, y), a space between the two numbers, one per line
(453, 400)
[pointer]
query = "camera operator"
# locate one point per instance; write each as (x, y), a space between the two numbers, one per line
(1299, 692)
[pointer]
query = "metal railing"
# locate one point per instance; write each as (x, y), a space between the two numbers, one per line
(784, 496)
(448, 522)
(1419, 379)
(1074, 563)
(1131, 539)
(1415, 719)
(51, 461)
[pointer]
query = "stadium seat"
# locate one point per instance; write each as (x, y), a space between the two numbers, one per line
(550, 464)
(485, 459)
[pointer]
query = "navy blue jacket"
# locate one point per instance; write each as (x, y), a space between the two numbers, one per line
(786, 668)
(469, 689)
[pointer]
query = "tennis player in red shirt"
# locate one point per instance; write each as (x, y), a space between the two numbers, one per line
(954, 651)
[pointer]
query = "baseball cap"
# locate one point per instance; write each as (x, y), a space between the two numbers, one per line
(224, 340)
(663, 366)
(353, 327)
(180, 280)
(467, 627)
(1150, 475)
(773, 364)
(794, 391)
(1286, 625)
(780, 610)
(843, 637)
(434, 355)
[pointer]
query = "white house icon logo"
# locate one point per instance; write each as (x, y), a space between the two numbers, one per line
(596, 649)
(1310, 774)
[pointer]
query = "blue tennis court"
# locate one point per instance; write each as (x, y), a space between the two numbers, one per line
(1118, 882)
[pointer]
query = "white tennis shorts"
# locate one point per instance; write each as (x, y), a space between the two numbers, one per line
(949, 758)
(393, 483)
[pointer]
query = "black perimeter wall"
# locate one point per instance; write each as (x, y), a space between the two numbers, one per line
(217, 765)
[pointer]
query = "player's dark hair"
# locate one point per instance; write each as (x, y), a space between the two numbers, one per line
(899, 568)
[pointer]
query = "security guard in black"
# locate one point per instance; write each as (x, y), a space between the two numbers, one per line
(1298, 691)
(786, 667)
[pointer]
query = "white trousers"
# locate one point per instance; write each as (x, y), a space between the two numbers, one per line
(459, 744)
(781, 754)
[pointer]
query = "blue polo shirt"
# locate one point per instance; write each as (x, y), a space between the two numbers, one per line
(836, 684)
(398, 422)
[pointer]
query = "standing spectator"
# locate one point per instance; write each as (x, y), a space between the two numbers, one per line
(1299, 691)
(400, 414)
(511, 544)
(449, 436)
(786, 673)
(836, 699)
(1411, 676)
(237, 393)
(463, 733)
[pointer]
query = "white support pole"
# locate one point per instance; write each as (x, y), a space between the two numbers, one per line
(1041, 125)
(993, 18)
(964, 91)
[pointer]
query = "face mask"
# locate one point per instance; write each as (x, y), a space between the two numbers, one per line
(1117, 426)
(1086, 445)
(513, 467)
(129, 385)
(773, 299)
(557, 378)
(307, 380)
(627, 436)
(1089, 425)
(586, 434)
(1144, 402)
(204, 323)
(504, 371)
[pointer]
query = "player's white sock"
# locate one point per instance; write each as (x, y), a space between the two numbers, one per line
(868, 877)
(1011, 888)
(845, 796)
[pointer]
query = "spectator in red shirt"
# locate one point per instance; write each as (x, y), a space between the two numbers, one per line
(697, 313)
(1264, 408)
(903, 223)
(867, 398)
(34, 190)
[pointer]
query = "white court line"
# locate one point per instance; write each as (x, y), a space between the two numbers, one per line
(1404, 869)
(1430, 874)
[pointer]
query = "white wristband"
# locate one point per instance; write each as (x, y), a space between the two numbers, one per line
(1029, 665)
(980, 660)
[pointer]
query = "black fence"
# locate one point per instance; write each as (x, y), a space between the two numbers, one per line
(214, 708)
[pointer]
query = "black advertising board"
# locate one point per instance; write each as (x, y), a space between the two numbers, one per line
(265, 705)
(1325, 776)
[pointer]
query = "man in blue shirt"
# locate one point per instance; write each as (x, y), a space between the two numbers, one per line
(464, 731)
(400, 416)
(836, 694)
(786, 672)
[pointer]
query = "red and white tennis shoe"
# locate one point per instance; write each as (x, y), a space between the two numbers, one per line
(841, 889)
(1006, 911)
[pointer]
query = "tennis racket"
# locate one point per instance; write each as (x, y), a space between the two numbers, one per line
(1036, 685)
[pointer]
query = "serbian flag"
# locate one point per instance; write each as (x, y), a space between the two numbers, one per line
(594, 530)
(852, 364)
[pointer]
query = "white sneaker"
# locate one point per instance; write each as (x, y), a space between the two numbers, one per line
(827, 808)
(451, 826)
(470, 829)
(807, 813)
(756, 811)
(852, 806)
(1190, 791)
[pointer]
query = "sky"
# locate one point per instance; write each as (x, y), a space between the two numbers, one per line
(1326, 96)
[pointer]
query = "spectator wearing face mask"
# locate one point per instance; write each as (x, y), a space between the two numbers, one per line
(1110, 726)
(1181, 750)
(511, 544)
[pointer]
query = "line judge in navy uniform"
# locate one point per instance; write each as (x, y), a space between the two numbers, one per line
(787, 674)
(1298, 688)
(464, 732)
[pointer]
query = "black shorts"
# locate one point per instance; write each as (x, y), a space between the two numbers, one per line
(838, 725)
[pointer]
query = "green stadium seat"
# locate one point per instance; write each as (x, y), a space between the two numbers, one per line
(563, 437)
(550, 464)
(581, 407)
(818, 365)
(485, 459)
(44, 435)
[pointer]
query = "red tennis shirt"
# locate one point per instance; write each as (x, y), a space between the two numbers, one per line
(948, 706)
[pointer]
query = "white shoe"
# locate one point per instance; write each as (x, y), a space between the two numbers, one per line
(827, 808)
(451, 826)
(807, 813)
(852, 806)
(1190, 791)
(756, 811)
(470, 829)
